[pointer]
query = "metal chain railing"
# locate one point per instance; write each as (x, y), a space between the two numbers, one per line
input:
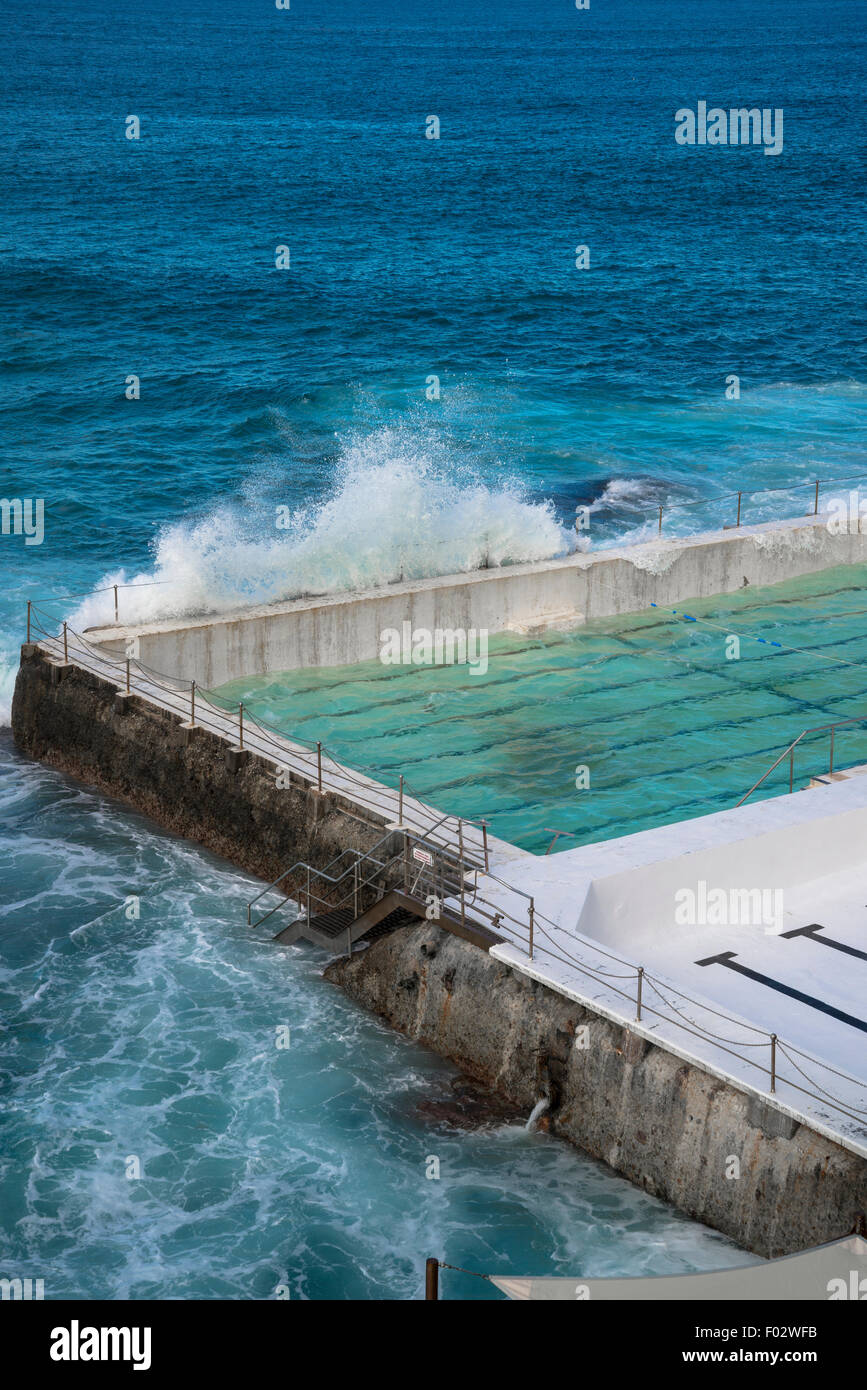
(756, 492)
(317, 766)
(486, 909)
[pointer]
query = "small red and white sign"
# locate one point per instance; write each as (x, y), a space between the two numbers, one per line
(422, 856)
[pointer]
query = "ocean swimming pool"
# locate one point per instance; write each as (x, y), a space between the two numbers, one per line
(153, 1037)
(616, 727)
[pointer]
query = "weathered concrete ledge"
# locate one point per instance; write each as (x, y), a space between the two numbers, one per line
(340, 629)
(666, 1125)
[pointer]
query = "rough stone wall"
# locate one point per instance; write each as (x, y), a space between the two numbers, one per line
(667, 1126)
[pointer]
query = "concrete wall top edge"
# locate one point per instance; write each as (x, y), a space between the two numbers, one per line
(681, 840)
(576, 562)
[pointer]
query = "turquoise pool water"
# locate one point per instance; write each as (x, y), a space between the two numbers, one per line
(667, 723)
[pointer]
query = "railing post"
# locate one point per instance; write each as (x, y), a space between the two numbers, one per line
(308, 892)
(400, 802)
(319, 764)
(241, 725)
(773, 1063)
(660, 521)
(532, 915)
(115, 603)
(29, 601)
(127, 675)
(816, 503)
(192, 703)
(638, 1000)
(738, 522)
(65, 645)
(463, 906)
(405, 862)
(485, 841)
(461, 840)
(432, 1281)
(355, 889)
(791, 769)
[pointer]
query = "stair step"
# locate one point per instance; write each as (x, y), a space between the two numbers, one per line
(332, 923)
(394, 910)
(398, 918)
(450, 920)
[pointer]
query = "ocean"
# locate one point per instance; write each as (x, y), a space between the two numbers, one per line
(430, 383)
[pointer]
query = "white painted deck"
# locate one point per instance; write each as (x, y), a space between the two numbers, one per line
(618, 897)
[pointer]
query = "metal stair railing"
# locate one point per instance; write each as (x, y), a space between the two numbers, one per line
(789, 752)
(447, 879)
(307, 869)
(314, 873)
(300, 865)
(355, 893)
(436, 874)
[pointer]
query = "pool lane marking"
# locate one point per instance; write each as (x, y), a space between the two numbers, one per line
(726, 958)
(824, 940)
(764, 641)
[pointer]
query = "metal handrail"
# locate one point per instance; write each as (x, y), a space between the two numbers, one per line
(360, 858)
(374, 881)
(756, 492)
(319, 874)
(789, 752)
(302, 864)
(369, 856)
(288, 898)
(337, 771)
(450, 882)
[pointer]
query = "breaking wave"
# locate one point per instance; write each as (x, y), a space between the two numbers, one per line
(399, 510)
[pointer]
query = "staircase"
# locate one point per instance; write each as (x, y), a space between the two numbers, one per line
(362, 897)
(338, 929)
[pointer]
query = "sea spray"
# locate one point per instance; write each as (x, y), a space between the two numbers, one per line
(8, 672)
(396, 512)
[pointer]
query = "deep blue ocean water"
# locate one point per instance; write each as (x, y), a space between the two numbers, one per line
(306, 388)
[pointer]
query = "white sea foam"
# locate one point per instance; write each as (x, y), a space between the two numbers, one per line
(634, 501)
(398, 509)
(626, 492)
(8, 672)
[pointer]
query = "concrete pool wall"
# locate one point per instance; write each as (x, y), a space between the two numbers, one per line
(342, 629)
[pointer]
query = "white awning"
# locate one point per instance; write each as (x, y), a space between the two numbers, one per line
(829, 1272)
